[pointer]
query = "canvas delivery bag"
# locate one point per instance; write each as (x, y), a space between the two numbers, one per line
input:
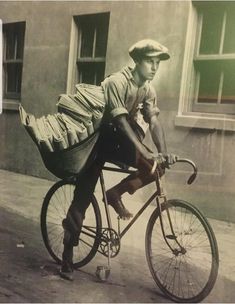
(67, 139)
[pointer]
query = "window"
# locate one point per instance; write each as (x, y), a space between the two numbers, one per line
(208, 83)
(13, 48)
(92, 45)
(214, 59)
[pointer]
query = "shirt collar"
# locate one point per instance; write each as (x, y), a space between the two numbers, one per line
(127, 72)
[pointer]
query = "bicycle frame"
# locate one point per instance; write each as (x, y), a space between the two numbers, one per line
(123, 232)
(158, 194)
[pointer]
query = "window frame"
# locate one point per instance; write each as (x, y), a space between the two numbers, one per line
(187, 116)
(11, 99)
(75, 50)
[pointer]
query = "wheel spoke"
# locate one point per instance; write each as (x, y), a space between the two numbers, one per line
(54, 210)
(178, 269)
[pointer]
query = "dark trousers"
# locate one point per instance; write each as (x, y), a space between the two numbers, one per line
(112, 146)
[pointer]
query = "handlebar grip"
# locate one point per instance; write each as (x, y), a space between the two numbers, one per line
(192, 178)
(154, 167)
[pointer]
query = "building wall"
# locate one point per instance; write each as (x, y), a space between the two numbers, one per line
(48, 26)
(46, 59)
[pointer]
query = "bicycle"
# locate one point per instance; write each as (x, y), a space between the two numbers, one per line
(178, 237)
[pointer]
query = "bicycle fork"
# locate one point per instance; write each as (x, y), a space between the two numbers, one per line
(171, 236)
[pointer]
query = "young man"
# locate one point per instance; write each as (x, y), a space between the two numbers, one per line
(131, 108)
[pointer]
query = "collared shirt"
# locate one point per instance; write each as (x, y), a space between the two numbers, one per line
(123, 96)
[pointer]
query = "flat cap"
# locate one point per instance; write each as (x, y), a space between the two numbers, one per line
(148, 48)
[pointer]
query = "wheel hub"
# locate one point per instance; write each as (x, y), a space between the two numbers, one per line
(180, 251)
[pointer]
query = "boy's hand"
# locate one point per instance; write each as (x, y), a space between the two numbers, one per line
(166, 159)
(170, 159)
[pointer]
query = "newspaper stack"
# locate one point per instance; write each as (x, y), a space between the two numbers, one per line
(86, 106)
(79, 116)
(54, 132)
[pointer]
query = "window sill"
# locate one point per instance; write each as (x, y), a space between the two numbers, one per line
(10, 104)
(205, 122)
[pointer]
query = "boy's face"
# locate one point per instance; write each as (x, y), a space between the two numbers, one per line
(147, 67)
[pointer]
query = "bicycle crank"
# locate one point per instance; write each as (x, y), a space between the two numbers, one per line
(109, 243)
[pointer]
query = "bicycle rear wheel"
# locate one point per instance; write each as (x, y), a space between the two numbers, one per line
(187, 273)
(54, 210)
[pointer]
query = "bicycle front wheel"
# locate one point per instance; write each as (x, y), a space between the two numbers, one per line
(187, 271)
(54, 210)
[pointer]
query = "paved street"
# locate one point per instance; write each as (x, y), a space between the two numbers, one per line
(28, 274)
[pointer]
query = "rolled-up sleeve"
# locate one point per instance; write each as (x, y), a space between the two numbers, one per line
(114, 90)
(150, 107)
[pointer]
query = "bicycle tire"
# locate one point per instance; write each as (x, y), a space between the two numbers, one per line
(181, 277)
(56, 204)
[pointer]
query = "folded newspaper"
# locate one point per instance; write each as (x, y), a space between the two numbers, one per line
(53, 132)
(86, 106)
(78, 117)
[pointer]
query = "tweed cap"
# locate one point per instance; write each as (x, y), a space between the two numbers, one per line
(148, 48)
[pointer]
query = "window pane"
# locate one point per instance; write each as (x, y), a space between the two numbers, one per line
(94, 35)
(92, 73)
(10, 44)
(14, 40)
(228, 93)
(13, 78)
(101, 36)
(229, 39)
(87, 73)
(211, 30)
(100, 73)
(20, 40)
(209, 82)
(87, 41)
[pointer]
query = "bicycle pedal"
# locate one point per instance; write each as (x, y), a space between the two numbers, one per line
(103, 272)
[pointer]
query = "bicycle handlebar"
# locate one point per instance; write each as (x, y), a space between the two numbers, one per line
(182, 160)
(179, 160)
(154, 167)
(194, 174)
